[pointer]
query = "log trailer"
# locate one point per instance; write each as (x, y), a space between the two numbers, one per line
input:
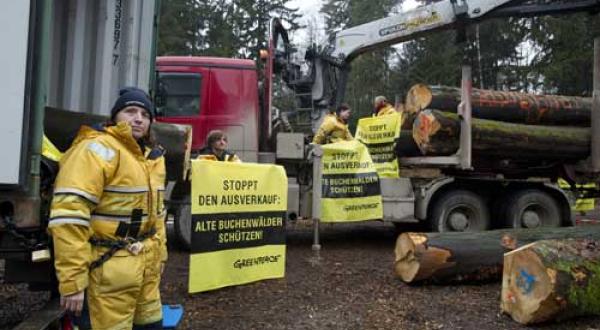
(448, 193)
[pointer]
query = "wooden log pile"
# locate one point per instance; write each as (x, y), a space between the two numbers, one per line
(554, 110)
(506, 125)
(468, 256)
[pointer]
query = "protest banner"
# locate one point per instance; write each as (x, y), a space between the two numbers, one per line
(350, 184)
(379, 135)
(238, 224)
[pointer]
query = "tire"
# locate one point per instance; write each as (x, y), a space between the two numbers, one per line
(183, 224)
(532, 208)
(459, 210)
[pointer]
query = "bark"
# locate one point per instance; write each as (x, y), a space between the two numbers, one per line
(437, 133)
(61, 127)
(552, 280)
(468, 256)
(177, 141)
(505, 106)
(406, 146)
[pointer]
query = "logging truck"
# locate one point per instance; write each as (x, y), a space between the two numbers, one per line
(472, 174)
(460, 189)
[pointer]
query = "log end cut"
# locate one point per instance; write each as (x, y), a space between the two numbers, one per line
(419, 97)
(425, 125)
(416, 261)
(527, 287)
(406, 264)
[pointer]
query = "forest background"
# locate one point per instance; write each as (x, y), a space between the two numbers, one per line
(551, 55)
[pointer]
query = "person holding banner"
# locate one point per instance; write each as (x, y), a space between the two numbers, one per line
(216, 148)
(335, 127)
(382, 107)
(107, 220)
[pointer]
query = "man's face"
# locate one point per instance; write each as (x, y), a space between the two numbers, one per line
(220, 144)
(345, 114)
(137, 117)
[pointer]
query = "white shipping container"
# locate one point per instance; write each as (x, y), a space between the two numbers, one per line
(99, 47)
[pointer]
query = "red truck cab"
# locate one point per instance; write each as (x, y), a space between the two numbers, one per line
(211, 93)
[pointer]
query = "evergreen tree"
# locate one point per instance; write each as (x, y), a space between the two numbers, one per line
(219, 27)
(179, 27)
(369, 75)
(564, 61)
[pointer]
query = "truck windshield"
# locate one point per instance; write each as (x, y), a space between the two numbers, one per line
(178, 94)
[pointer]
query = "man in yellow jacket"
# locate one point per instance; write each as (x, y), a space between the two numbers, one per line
(382, 107)
(334, 127)
(216, 148)
(107, 221)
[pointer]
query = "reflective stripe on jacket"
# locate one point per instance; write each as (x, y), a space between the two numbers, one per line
(332, 130)
(103, 177)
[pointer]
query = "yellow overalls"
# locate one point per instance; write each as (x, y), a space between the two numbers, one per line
(108, 190)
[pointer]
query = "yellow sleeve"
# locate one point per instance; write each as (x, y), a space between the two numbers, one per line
(323, 131)
(76, 194)
(160, 226)
(348, 136)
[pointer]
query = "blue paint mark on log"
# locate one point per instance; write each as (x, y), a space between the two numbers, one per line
(525, 281)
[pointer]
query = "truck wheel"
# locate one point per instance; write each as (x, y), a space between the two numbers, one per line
(460, 210)
(532, 208)
(183, 224)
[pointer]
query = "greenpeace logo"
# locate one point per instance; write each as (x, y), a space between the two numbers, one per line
(250, 262)
(349, 208)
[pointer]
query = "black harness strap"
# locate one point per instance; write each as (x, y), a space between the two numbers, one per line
(116, 245)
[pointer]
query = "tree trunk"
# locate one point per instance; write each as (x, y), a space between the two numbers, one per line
(552, 280)
(437, 133)
(468, 256)
(176, 140)
(406, 146)
(505, 106)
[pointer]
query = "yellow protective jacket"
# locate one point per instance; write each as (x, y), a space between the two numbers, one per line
(332, 130)
(387, 109)
(206, 153)
(103, 177)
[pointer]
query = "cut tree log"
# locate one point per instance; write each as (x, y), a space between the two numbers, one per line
(468, 256)
(552, 280)
(406, 146)
(504, 106)
(437, 133)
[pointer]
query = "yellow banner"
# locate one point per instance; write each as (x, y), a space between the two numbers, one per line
(238, 224)
(581, 204)
(350, 184)
(379, 134)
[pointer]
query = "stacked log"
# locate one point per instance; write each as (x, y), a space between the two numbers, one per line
(552, 280)
(505, 125)
(405, 144)
(504, 106)
(451, 258)
(437, 133)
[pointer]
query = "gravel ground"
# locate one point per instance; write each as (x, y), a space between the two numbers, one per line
(349, 284)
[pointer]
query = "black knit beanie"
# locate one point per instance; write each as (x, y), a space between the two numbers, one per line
(129, 96)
